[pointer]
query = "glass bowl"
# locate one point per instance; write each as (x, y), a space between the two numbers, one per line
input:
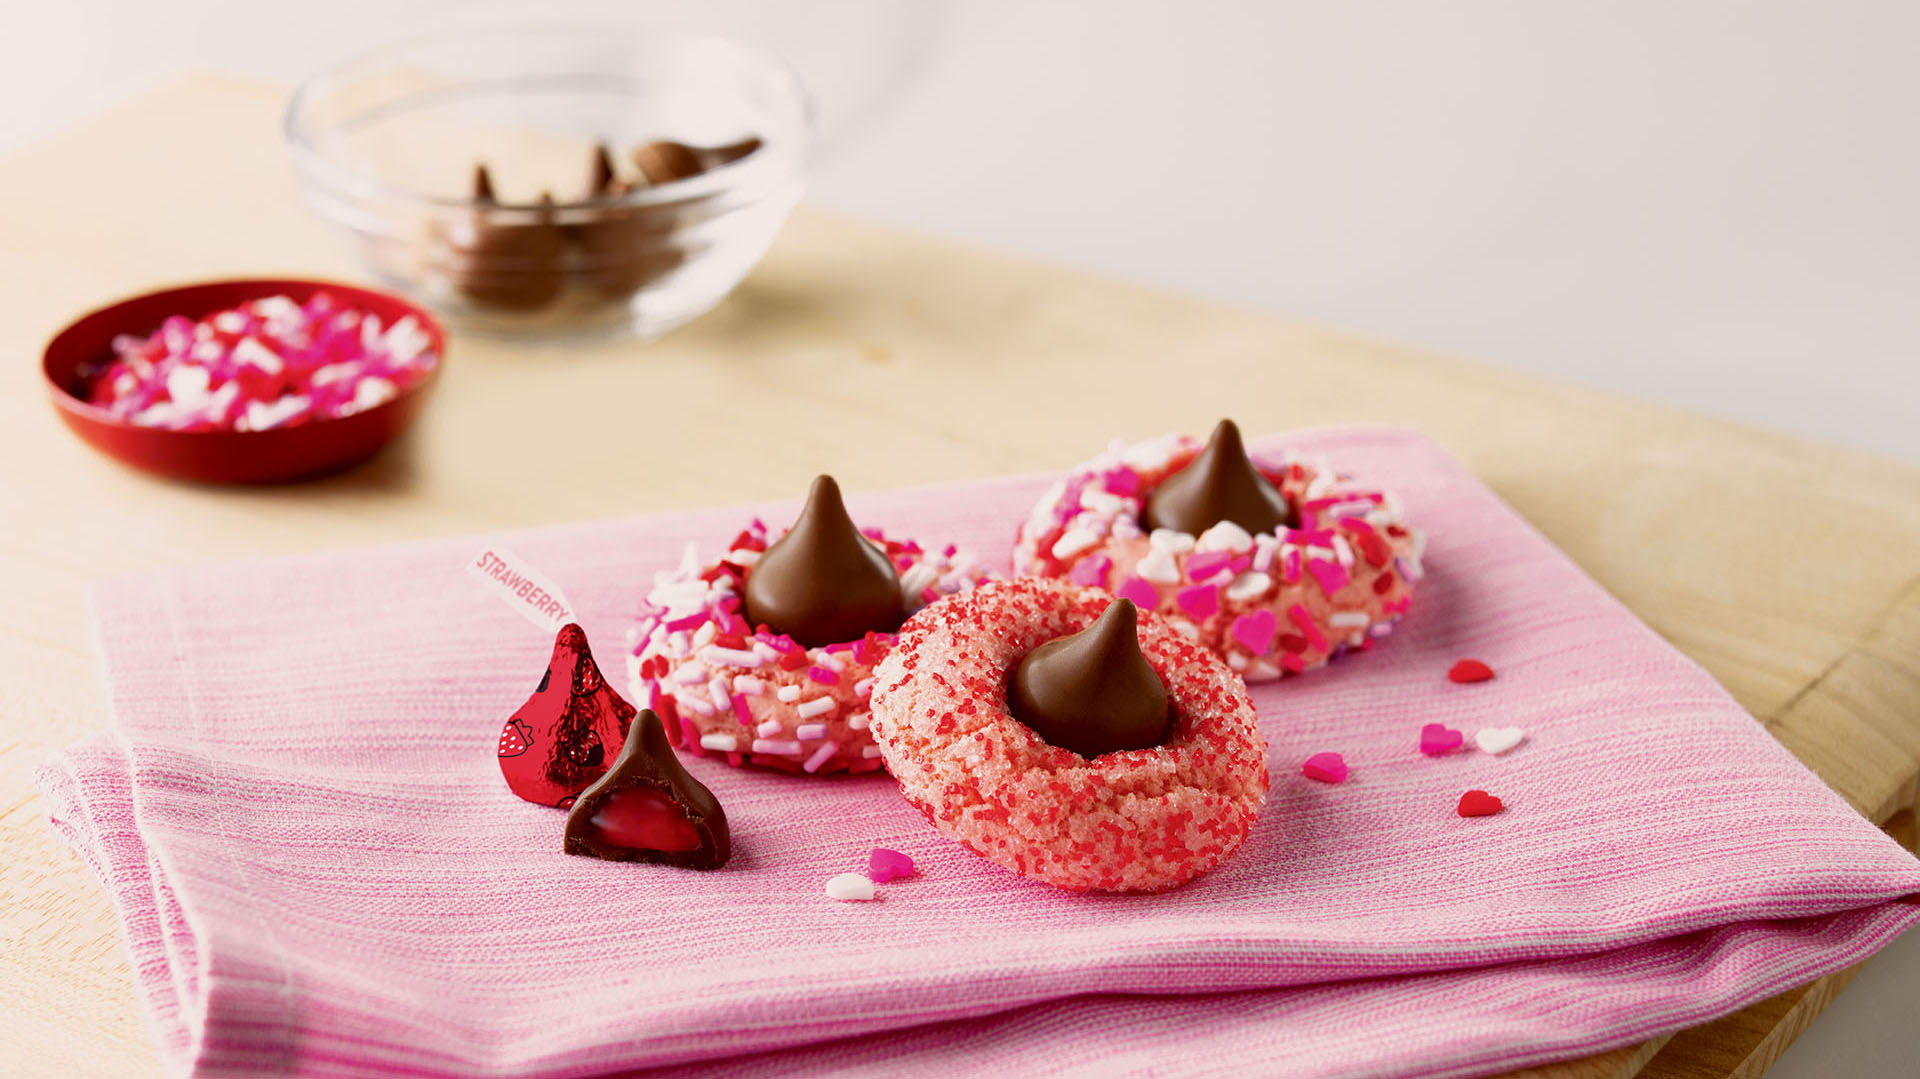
(388, 146)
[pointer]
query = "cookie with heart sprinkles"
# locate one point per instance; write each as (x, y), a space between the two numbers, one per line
(1276, 564)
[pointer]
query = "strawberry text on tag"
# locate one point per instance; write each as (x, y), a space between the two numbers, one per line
(524, 589)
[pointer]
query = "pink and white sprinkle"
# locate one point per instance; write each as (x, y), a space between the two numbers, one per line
(268, 363)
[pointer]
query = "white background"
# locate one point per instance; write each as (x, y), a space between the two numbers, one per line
(1709, 203)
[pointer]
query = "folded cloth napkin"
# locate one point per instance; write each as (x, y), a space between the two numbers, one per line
(321, 872)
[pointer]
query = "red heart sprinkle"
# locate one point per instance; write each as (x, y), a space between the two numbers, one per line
(1469, 670)
(1479, 804)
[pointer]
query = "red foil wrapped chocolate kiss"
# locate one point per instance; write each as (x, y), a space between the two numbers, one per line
(569, 731)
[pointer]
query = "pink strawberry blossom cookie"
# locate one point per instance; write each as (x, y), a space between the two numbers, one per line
(1334, 575)
(1131, 820)
(756, 697)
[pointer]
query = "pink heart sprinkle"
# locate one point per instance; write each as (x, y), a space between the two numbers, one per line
(1331, 575)
(1437, 740)
(1140, 591)
(884, 865)
(1199, 602)
(1325, 767)
(1255, 631)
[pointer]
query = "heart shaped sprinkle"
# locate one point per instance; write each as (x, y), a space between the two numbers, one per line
(1479, 804)
(884, 865)
(1199, 602)
(1438, 740)
(1497, 740)
(1326, 768)
(1255, 630)
(1469, 670)
(1140, 591)
(850, 888)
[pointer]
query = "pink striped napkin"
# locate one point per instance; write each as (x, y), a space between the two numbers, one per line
(320, 871)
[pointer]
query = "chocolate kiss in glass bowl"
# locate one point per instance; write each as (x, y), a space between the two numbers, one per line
(385, 144)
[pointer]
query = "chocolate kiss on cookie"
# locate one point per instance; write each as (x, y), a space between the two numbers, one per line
(1093, 692)
(1220, 484)
(648, 809)
(823, 582)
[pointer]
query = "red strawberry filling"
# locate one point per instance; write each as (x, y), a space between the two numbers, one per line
(640, 818)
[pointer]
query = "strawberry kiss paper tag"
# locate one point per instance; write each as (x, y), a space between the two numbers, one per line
(524, 588)
(569, 732)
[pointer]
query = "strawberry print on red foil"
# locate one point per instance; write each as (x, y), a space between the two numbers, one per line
(570, 730)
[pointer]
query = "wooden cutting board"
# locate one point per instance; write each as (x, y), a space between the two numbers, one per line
(1790, 570)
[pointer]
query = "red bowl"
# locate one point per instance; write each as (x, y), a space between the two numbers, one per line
(275, 455)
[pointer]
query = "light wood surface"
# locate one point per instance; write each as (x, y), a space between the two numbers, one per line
(1791, 571)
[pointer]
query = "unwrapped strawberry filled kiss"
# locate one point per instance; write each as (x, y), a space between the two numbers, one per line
(648, 809)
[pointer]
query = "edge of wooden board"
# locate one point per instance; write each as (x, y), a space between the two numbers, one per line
(1742, 1045)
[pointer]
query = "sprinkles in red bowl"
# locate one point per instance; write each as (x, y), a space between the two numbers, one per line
(251, 381)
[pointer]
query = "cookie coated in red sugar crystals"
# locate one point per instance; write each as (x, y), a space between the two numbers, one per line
(1309, 564)
(1133, 820)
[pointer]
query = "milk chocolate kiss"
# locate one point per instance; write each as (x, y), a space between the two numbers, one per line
(1093, 692)
(623, 248)
(1220, 484)
(823, 582)
(663, 161)
(508, 265)
(605, 181)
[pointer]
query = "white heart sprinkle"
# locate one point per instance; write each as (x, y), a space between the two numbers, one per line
(850, 888)
(1497, 740)
(1158, 567)
(1225, 536)
(1170, 541)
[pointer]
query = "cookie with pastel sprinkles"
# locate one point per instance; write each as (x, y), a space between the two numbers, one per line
(765, 656)
(1276, 564)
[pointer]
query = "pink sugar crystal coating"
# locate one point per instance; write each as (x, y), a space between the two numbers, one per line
(884, 865)
(268, 363)
(1136, 820)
